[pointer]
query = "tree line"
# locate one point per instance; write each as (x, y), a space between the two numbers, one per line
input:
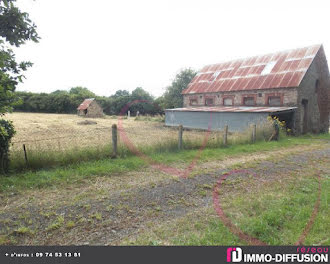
(62, 101)
(16, 28)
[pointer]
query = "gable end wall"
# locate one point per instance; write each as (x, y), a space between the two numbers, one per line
(318, 102)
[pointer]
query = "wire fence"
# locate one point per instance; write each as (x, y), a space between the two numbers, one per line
(48, 147)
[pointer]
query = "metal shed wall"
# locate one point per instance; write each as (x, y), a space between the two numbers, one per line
(217, 120)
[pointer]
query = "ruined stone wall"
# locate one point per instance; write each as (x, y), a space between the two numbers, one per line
(94, 110)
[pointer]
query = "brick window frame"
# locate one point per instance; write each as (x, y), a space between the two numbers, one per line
(267, 95)
(232, 97)
(193, 98)
(209, 97)
(254, 96)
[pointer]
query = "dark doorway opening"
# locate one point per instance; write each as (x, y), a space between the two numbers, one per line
(286, 116)
(85, 112)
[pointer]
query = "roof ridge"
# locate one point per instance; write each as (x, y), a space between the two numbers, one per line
(264, 54)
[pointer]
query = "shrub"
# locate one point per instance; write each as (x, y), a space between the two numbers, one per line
(7, 131)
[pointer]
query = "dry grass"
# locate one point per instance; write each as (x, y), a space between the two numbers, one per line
(53, 139)
(62, 131)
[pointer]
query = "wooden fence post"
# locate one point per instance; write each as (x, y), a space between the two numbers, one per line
(114, 141)
(254, 133)
(128, 114)
(180, 137)
(225, 136)
(25, 155)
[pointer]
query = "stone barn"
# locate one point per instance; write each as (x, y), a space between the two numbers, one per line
(90, 108)
(293, 85)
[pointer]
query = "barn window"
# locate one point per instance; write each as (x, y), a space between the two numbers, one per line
(209, 101)
(317, 84)
(274, 101)
(248, 101)
(193, 102)
(228, 101)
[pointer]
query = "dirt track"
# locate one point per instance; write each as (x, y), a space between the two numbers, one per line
(119, 214)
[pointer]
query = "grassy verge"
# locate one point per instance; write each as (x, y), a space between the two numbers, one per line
(105, 167)
(275, 211)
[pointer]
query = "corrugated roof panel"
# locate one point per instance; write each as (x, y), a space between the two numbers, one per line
(224, 74)
(224, 84)
(285, 66)
(212, 86)
(293, 54)
(213, 67)
(244, 73)
(286, 79)
(302, 52)
(240, 71)
(312, 50)
(294, 65)
(231, 73)
(240, 84)
(277, 80)
(305, 63)
(268, 81)
(201, 87)
(279, 63)
(296, 78)
(221, 84)
(250, 84)
(260, 81)
(230, 84)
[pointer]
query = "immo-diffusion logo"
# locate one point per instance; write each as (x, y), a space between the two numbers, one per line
(234, 254)
(313, 255)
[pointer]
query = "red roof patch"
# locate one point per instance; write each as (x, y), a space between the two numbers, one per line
(85, 104)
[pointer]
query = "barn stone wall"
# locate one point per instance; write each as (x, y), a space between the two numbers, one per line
(288, 96)
(314, 88)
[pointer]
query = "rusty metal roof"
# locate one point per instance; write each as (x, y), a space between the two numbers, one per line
(277, 70)
(85, 104)
(249, 109)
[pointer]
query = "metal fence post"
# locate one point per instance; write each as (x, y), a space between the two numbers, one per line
(225, 136)
(114, 141)
(25, 155)
(180, 137)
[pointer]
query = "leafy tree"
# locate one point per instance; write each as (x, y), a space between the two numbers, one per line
(15, 29)
(121, 93)
(78, 94)
(172, 96)
(144, 102)
(82, 91)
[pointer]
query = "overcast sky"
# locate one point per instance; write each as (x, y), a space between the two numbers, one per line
(109, 45)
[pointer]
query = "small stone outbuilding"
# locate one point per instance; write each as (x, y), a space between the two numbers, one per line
(90, 108)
